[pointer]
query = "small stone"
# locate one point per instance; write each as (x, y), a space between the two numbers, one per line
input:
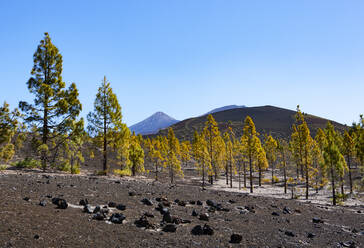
(121, 207)
(204, 217)
(26, 198)
(207, 230)
(167, 218)
(97, 209)
(311, 235)
(83, 202)
(98, 216)
(317, 220)
(275, 214)
(131, 193)
(194, 213)
(235, 238)
(199, 203)
(117, 218)
(87, 209)
(192, 202)
(147, 202)
(182, 203)
(289, 233)
(232, 202)
(42, 203)
(170, 228)
(36, 236)
(197, 230)
(287, 210)
(111, 204)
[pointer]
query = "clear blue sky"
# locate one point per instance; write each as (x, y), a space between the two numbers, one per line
(185, 57)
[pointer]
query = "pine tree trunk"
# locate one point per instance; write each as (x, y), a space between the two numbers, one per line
(297, 171)
(45, 135)
(306, 180)
(156, 171)
(251, 174)
(133, 169)
(239, 168)
(333, 186)
(244, 166)
(350, 178)
(285, 178)
(272, 173)
(260, 176)
(342, 185)
(227, 173)
(203, 176)
(231, 175)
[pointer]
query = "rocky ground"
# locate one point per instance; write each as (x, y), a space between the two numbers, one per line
(143, 213)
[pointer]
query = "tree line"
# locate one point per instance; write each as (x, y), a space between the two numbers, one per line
(59, 139)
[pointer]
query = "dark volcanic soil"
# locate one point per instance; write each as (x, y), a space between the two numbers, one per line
(27, 224)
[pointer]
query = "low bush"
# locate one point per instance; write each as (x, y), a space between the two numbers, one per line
(123, 172)
(28, 163)
(3, 167)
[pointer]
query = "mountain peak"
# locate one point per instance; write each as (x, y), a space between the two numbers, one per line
(153, 123)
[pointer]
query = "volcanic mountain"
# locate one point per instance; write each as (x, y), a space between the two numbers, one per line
(153, 124)
(268, 120)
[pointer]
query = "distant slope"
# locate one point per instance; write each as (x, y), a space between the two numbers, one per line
(153, 124)
(225, 108)
(267, 119)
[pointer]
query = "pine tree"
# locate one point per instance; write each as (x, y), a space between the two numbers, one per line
(156, 155)
(334, 160)
(229, 155)
(54, 109)
(172, 159)
(320, 140)
(105, 120)
(261, 161)
(283, 149)
(212, 135)
(72, 147)
(270, 147)
(252, 146)
(136, 155)
(302, 144)
(9, 126)
(349, 151)
(201, 155)
(185, 152)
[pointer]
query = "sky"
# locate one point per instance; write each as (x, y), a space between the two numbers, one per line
(186, 57)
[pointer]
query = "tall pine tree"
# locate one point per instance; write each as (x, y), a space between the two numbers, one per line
(55, 108)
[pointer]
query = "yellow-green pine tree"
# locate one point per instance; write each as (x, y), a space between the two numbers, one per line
(334, 160)
(136, 155)
(201, 155)
(349, 152)
(212, 135)
(270, 147)
(251, 146)
(105, 120)
(172, 159)
(54, 108)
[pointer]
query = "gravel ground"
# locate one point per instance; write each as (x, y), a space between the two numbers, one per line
(261, 221)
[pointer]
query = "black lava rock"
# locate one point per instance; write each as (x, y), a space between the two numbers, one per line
(117, 218)
(169, 228)
(83, 202)
(121, 207)
(147, 202)
(235, 238)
